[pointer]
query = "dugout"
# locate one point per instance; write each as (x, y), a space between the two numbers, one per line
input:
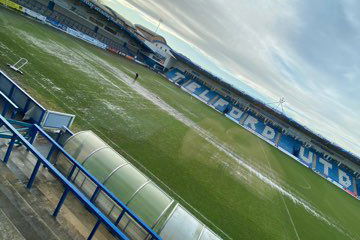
(147, 200)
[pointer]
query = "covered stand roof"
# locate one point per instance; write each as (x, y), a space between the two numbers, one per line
(112, 16)
(154, 36)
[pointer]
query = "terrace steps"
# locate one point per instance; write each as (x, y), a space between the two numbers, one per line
(27, 214)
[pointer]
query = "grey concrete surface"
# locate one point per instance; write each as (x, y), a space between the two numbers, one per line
(26, 214)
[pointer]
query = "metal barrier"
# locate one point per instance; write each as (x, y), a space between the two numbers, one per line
(22, 102)
(66, 180)
(99, 186)
(63, 135)
(7, 104)
(21, 98)
(69, 187)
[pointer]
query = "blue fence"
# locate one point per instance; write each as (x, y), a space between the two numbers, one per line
(14, 99)
(23, 101)
(69, 187)
(8, 106)
(66, 181)
(99, 186)
(65, 134)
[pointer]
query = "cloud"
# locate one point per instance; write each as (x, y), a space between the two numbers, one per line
(305, 51)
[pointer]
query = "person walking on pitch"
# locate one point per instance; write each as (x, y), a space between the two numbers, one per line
(136, 77)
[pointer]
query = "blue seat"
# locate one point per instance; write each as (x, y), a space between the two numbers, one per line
(289, 144)
(221, 104)
(175, 75)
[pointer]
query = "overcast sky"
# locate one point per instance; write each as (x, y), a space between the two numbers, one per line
(306, 51)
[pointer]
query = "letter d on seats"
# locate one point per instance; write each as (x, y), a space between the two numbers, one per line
(268, 132)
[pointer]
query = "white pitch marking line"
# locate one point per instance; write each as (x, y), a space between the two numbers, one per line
(282, 197)
(291, 219)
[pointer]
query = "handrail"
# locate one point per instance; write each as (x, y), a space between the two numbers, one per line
(20, 89)
(66, 129)
(100, 186)
(18, 123)
(69, 186)
(9, 100)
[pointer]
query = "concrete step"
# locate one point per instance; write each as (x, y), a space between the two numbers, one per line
(27, 214)
(31, 224)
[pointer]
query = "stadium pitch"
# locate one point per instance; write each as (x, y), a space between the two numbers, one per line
(239, 185)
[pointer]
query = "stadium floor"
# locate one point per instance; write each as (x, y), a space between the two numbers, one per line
(225, 175)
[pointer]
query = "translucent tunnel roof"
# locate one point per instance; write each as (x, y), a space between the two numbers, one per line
(103, 162)
(135, 189)
(82, 144)
(125, 182)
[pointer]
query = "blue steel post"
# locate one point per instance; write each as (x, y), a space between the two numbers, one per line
(92, 234)
(13, 114)
(33, 175)
(26, 108)
(71, 172)
(58, 137)
(61, 202)
(41, 118)
(97, 190)
(56, 147)
(11, 91)
(53, 148)
(120, 217)
(34, 131)
(9, 150)
(5, 109)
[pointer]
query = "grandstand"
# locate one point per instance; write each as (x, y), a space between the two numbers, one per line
(328, 160)
(92, 19)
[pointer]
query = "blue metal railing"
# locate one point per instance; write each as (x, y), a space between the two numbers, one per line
(99, 185)
(36, 130)
(20, 98)
(63, 135)
(69, 187)
(26, 129)
(7, 104)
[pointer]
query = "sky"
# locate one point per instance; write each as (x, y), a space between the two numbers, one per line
(303, 50)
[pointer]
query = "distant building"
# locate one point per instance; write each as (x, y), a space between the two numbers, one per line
(161, 51)
(149, 35)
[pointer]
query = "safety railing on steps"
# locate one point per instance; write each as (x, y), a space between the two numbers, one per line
(66, 181)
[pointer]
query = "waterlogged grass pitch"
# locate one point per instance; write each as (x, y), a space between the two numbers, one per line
(240, 186)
